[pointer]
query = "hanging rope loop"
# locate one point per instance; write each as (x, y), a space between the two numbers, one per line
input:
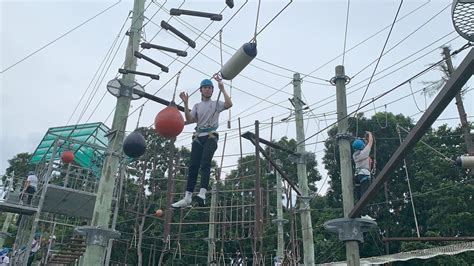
(220, 47)
(254, 39)
(139, 116)
(176, 85)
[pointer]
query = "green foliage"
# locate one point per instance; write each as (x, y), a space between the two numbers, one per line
(442, 194)
(18, 168)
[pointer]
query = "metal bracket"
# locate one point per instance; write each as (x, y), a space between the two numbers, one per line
(350, 229)
(302, 157)
(97, 236)
(344, 136)
(305, 203)
(346, 79)
(111, 132)
(279, 221)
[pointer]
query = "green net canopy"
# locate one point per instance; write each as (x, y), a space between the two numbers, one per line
(88, 142)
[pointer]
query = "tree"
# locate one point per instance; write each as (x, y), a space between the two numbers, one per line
(433, 86)
(441, 193)
(243, 178)
(18, 168)
(143, 193)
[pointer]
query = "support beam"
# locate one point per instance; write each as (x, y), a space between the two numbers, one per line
(142, 56)
(460, 76)
(179, 12)
(167, 26)
(125, 71)
(155, 98)
(145, 45)
(250, 137)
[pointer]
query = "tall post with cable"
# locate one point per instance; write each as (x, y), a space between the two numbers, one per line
(466, 132)
(343, 141)
(279, 220)
(306, 225)
(98, 234)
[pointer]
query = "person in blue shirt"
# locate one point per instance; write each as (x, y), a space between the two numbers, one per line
(206, 116)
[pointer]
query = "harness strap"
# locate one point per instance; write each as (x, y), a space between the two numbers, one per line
(210, 130)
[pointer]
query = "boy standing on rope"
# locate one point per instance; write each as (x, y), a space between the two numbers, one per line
(206, 115)
(362, 162)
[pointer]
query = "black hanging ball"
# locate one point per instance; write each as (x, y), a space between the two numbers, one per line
(134, 145)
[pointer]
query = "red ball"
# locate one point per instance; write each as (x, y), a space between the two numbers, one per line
(169, 122)
(67, 156)
(158, 213)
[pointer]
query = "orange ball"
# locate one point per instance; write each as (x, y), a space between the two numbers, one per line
(67, 156)
(169, 122)
(158, 213)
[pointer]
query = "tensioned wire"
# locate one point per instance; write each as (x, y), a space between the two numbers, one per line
(361, 87)
(107, 55)
(105, 93)
(398, 42)
(100, 80)
(189, 61)
(359, 82)
(377, 64)
(194, 29)
(60, 37)
(410, 13)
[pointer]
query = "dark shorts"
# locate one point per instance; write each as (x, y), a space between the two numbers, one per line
(30, 190)
(359, 179)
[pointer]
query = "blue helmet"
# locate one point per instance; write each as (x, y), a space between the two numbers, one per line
(358, 144)
(4, 251)
(206, 82)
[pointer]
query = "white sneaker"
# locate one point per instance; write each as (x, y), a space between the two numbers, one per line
(367, 217)
(181, 203)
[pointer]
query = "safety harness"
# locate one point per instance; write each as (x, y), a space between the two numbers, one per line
(210, 130)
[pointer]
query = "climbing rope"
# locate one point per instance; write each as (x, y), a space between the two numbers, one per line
(409, 186)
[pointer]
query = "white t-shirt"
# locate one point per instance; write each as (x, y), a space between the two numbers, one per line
(33, 181)
(4, 260)
(361, 159)
(207, 115)
(35, 246)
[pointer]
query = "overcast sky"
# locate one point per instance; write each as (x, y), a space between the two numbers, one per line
(43, 90)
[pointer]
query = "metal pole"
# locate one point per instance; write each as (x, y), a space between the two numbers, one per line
(114, 218)
(279, 222)
(258, 198)
(459, 104)
(95, 254)
(169, 210)
(306, 225)
(352, 247)
(211, 244)
(50, 243)
(46, 179)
